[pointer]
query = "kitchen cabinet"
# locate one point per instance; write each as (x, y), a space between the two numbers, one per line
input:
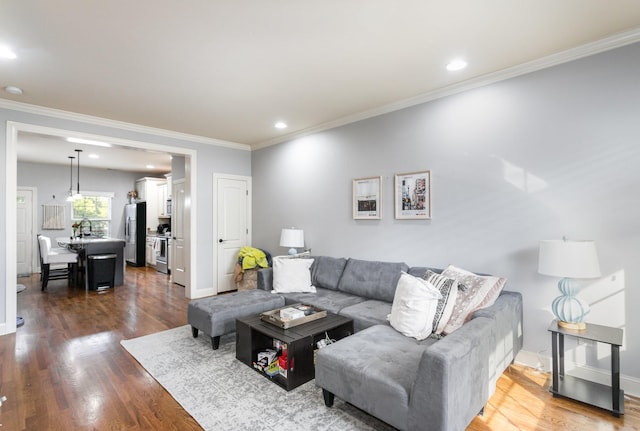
(168, 176)
(147, 189)
(162, 200)
(150, 251)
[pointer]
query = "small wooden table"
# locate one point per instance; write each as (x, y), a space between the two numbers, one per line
(607, 397)
(254, 335)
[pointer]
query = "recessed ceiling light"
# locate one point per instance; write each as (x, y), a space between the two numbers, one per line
(11, 89)
(150, 166)
(89, 142)
(94, 156)
(5, 52)
(280, 125)
(456, 65)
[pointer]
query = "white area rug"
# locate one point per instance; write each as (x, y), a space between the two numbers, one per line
(221, 393)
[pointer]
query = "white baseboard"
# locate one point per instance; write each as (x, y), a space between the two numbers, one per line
(631, 385)
(201, 293)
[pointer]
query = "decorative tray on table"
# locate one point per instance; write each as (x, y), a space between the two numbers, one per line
(293, 315)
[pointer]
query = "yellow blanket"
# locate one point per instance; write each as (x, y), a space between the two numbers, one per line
(252, 257)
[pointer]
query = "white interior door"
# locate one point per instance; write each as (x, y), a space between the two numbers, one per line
(177, 254)
(24, 232)
(233, 220)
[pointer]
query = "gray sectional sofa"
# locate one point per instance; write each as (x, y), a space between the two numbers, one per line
(439, 383)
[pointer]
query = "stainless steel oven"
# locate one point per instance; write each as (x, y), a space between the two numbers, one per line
(162, 257)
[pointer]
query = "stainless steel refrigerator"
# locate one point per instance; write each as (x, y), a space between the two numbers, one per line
(135, 229)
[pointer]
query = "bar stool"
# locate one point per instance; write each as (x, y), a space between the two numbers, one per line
(52, 259)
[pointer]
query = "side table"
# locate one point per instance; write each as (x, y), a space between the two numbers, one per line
(607, 397)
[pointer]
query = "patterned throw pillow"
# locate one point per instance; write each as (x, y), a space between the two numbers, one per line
(448, 288)
(482, 291)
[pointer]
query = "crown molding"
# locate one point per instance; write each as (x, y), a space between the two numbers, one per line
(98, 121)
(613, 42)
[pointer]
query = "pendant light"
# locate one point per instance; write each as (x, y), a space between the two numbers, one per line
(78, 195)
(70, 197)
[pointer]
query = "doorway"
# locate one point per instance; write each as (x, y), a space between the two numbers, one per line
(232, 201)
(13, 130)
(25, 231)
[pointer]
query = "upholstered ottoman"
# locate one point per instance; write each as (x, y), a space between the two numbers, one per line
(216, 315)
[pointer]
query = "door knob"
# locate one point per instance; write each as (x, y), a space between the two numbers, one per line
(220, 240)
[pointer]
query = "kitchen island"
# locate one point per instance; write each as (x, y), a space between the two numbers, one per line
(89, 246)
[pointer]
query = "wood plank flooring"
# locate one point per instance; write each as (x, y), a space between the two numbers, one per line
(65, 369)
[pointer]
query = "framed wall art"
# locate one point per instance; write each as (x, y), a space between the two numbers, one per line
(367, 198)
(413, 195)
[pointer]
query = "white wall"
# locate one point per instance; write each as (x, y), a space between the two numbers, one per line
(551, 153)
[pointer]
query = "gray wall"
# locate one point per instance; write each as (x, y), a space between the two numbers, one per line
(53, 180)
(540, 156)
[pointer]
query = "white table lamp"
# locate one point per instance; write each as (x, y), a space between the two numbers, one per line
(570, 260)
(292, 238)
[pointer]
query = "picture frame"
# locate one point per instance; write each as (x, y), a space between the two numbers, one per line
(413, 195)
(367, 198)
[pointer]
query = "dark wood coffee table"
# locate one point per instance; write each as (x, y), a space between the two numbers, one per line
(254, 335)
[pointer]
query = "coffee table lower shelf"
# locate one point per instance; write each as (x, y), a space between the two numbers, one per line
(253, 335)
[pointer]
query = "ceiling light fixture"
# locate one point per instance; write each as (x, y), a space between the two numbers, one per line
(12, 89)
(280, 125)
(94, 156)
(5, 52)
(150, 166)
(88, 142)
(456, 65)
(78, 195)
(70, 197)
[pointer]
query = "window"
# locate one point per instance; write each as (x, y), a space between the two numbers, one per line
(96, 207)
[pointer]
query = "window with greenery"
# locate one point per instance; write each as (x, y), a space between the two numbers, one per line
(96, 207)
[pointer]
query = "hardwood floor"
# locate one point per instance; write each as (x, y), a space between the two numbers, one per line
(65, 369)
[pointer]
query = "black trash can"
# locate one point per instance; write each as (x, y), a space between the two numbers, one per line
(102, 271)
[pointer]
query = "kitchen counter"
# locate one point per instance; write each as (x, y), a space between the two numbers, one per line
(68, 242)
(90, 246)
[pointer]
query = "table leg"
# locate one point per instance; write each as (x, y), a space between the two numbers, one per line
(615, 379)
(554, 359)
(561, 354)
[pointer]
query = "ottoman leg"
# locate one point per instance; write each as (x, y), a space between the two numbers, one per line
(194, 332)
(328, 398)
(215, 342)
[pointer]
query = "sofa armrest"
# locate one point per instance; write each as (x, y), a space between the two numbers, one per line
(507, 313)
(453, 381)
(265, 278)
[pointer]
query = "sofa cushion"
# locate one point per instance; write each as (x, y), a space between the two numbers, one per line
(326, 299)
(326, 271)
(292, 275)
(448, 288)
(367, 313)
(414, 306)
(370, 279)
(372, 369)
(420, 271)
(481, 292)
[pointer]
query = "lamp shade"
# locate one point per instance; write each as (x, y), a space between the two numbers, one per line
(292, 238)
(565, 258)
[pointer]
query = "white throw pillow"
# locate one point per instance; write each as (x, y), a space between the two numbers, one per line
(292, 275)
(414, 306)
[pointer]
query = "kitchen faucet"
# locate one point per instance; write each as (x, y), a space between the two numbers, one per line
(85, 221)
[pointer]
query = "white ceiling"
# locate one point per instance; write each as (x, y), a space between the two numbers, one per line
(42, 148)
(228, 70)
